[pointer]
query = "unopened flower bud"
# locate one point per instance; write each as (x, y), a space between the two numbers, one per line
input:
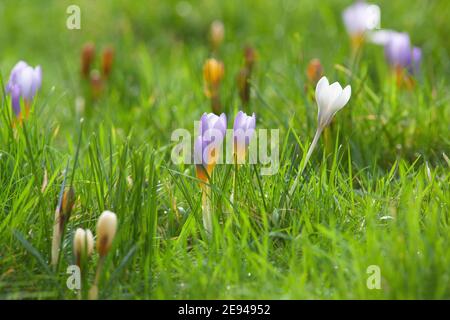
(314, 71)
(87, 58)
(83, 244)
(107, 61)
(213, 71)
(67, 202)
(106, 230)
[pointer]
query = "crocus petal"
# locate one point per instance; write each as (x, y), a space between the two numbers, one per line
(381, 37)
(13, 76)
(15, 99)
(321, 89)
(25, 82)
(398, 50)
(342, 100)
(204, 123)
(222, 124)
(332, 93)
(416, 59)
(198, 150)
(238, 120)
(361, 17)
(37, 80)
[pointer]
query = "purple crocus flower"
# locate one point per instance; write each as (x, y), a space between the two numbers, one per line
(243, 130)
(208, 143)
(400, 53)
(361, 17)
(24, 81)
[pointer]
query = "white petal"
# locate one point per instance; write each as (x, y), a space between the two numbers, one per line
(342, 100)
(321, 89)
(333, 92)
(381, 37)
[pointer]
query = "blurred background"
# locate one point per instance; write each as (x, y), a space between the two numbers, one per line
(160, 47)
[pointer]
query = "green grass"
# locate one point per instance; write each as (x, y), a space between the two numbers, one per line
(376, 193)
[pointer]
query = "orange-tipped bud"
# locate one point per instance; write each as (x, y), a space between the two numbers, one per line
(213, 71)
(87, 58)
(107, 61)
(216, 34)
(67, 203)
(314, 71)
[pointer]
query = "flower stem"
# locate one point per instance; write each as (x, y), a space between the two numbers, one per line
(206, 209)
(305, 162)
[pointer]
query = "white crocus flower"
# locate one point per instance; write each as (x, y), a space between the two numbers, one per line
(330, 99)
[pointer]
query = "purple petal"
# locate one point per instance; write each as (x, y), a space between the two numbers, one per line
(398, 50)
(37, 80)
(25, 82)
(416, 59)
(238, 120)
(15, 99)
(198, 150)
(14, 72)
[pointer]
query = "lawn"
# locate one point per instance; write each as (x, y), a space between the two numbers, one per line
(373, 199)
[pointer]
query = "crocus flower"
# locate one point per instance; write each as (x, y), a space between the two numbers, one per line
(243, 130)
(213, 71)
(330, 99)
(401, 54)
(359, 18)
(206, 153)
(208, 143)
(83, 244)
(24, 82)
(106, 230)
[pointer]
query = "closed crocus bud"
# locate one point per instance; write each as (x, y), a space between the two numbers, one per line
(67, 202)
(62, 215)
(359, 18)
(216, 34)
(314, 71)
(213, 71)
(243, 130)
(208, 144)
(87, 58)
(24, 82)
(106, 230)
(330, 99)
(83, 244)
(107, 61)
